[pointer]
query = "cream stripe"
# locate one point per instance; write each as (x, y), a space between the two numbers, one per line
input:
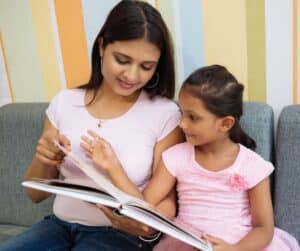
(6, 94)
(45, 43)
(59, 59)
(225, 38)
(295, 51)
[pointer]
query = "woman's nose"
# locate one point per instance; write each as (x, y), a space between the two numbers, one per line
(131, 74)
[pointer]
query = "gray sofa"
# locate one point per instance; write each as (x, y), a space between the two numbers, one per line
(21, 126)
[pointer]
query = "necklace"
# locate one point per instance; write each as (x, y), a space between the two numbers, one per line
(100, 122)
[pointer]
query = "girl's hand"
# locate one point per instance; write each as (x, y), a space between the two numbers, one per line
(47, 153)
(100, 151)
(219, 244)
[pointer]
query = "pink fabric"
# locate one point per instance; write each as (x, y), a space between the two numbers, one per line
(217, 202)
(133, 136)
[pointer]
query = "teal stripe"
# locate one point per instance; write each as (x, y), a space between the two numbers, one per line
(94, 15)
(192, 37)
(21, 51)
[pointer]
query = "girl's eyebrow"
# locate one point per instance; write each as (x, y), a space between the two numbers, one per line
(129, 58)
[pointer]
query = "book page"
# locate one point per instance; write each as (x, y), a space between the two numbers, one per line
(157, 221)
(100, 179)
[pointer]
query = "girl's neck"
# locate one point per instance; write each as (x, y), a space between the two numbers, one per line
(217, 147)
(224, 150)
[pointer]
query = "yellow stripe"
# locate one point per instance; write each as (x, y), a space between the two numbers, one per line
(295, 51)
(225, 36)
(6, 69)
(46, 46)
(256, 50)
(73, 42)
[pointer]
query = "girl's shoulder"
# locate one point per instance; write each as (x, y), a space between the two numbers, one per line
(253, 167)
(179, 152)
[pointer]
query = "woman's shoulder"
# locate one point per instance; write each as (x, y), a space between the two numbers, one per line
(70, 96)
(158, 102)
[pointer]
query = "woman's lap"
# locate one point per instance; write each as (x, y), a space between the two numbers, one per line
(52, 234)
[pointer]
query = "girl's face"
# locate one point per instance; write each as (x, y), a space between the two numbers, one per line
(127, 66)
(200, 126)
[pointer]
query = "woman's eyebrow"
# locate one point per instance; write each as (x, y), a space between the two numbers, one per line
(128, 57)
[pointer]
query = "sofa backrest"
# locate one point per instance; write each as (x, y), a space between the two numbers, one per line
(258, 123)
(287, 175)
(20, 128)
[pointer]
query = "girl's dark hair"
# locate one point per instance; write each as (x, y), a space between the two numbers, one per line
(222, 95)
(129, 20)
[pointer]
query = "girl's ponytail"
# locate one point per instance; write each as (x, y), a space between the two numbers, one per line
(237, 135)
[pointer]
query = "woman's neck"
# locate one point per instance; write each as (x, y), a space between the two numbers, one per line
(115, 105)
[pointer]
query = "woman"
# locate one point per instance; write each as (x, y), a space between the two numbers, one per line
(128, 102)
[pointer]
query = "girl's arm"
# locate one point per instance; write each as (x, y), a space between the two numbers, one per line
(105, 158)
(262, 220)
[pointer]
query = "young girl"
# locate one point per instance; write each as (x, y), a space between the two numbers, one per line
(223, 186)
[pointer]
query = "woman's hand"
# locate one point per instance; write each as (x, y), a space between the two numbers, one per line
(47, 153)
(218, 244)
(126, 224)
(100, 151)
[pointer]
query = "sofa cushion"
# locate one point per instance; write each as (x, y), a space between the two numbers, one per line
(8, 231)
(20, 128)
(258, 123)
(287, 175)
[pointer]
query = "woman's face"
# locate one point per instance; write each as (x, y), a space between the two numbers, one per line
(127, 66)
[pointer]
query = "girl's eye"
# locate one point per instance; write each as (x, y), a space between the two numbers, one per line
(193, 118)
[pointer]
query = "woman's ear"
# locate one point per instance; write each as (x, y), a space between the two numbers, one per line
(227, 123)
(100, 42)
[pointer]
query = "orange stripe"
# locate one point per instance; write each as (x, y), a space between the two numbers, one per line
(6, 69)
(156, 4)
(295, 51)
(72, 40)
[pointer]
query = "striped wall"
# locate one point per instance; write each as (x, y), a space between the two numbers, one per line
(45, 45)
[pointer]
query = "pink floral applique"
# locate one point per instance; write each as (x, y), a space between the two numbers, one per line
(238, 182)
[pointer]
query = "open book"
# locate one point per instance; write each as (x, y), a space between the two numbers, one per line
(111, 196)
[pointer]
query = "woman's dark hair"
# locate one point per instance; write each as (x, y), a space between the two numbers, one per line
(129, 20)
(222, 95)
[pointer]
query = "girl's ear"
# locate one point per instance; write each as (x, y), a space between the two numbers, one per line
(227, 123)
(100, 42)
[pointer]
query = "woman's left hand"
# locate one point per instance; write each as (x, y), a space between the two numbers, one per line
(100, 151)
(218, 244)
(126, 224)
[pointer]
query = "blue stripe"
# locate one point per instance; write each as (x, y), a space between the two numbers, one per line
(94, 15)
(192, 35)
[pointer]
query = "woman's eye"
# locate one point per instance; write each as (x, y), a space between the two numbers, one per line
(146, 68)
(121, 61)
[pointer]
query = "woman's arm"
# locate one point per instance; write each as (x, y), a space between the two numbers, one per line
(262, 220)
(45, 161)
